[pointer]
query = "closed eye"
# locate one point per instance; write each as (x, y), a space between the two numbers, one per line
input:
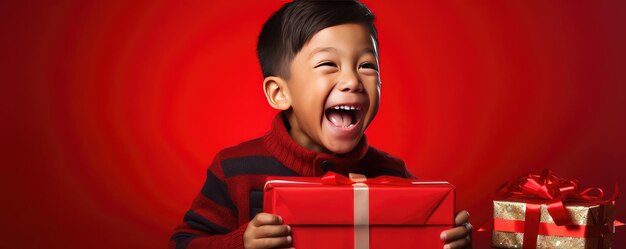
(328, 64)
(369, 66)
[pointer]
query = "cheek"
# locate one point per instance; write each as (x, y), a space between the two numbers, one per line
(309, 99)
(318, 91)
(373, 93)
(371, 83)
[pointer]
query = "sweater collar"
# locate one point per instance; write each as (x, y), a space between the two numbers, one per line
(307, 162)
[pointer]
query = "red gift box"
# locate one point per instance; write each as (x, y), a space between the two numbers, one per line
(384, 212)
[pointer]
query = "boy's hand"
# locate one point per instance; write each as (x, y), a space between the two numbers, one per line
(266, 231)
(461, 235)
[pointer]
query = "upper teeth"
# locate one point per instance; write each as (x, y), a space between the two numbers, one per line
(345, 107)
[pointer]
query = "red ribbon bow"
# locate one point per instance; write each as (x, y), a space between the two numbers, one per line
(550, 187)
(332, 178)
(556, 190)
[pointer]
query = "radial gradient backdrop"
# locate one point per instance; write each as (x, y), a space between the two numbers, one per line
(112, 110)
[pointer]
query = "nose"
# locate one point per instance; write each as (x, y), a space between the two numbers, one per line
(350, 82)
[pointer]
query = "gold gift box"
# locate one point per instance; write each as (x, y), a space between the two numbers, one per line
(581, 214)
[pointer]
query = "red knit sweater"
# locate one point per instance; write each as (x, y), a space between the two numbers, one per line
(233, 191)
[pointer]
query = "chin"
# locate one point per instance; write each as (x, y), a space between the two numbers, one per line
(342, 147)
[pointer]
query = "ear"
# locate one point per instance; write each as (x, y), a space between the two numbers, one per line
(277, 93)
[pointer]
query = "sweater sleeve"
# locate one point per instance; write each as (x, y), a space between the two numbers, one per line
(211, 222)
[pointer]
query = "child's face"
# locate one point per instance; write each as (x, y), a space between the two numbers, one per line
(334, 89)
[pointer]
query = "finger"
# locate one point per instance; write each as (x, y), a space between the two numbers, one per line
(461, 218)
(267, 231)
(266, 219)
(461, 243)
(454, 234)
(468, 226)
(275, 242)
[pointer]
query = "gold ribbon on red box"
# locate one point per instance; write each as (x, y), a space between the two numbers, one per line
(553, 191)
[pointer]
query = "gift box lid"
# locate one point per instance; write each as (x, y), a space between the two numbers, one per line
(307, 201)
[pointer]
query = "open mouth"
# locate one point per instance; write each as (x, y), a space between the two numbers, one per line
(346, 116)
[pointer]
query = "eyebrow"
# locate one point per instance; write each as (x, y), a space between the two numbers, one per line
(334, 50)
(368, 50)
(322, 49)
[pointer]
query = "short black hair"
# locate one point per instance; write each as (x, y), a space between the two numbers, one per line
(288, 29)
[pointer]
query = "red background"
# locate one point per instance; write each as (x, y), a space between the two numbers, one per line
(112, 110)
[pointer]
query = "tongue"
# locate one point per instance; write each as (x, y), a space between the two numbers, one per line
(339, 118)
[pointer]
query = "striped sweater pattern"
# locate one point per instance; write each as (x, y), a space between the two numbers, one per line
(232, 193)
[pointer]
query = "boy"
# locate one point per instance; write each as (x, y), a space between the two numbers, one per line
(320, 63)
